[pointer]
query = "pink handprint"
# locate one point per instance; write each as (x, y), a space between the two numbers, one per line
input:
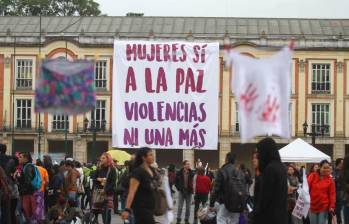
(270, 109)
(248, 98)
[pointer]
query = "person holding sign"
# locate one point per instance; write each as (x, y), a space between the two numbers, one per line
(322, 194)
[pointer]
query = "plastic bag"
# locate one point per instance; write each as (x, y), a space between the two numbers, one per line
(303, 202)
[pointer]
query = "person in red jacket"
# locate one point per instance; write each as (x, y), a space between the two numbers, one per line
(322, 194)
(203, 187)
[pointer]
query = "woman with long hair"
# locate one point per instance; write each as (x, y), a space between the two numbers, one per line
(344, 179)
(104, 181)
(257, 178)
(48, 165)
(314, 168)
(322, 194)
(293, 182)
(55, 187)
(141, 200)
(271, 206)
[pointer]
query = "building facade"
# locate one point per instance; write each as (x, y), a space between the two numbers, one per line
(320, 83)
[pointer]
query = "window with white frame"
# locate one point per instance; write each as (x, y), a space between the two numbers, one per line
(59, 122)
(321, 78)
(98, 116)
(101, 74)
(237, 125)
(321, 118)
(24, 73)
(24, 107)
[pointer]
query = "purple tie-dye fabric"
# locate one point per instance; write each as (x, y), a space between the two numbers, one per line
(65, 87)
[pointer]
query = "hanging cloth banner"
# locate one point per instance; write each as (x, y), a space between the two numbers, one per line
(165, 95)
(262, 89)
(65, 87)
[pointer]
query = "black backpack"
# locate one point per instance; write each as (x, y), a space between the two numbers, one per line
(235, 191)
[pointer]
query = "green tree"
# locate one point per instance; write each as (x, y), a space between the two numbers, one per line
(49, 7)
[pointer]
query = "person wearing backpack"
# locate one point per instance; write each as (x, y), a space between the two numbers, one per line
(230, 191)
(29, 180)
(272, 206)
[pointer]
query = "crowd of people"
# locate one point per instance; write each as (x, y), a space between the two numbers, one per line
(70, 192)
(141, 193)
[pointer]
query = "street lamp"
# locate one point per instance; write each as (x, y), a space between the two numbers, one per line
(305, 128)
(94, 134)
(40, 130)
(93, 129)
(313, 132)
(104, 123)
(66, 133)
(85, 124)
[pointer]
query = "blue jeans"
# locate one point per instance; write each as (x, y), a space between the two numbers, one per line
(72, 196)
(318, 218)
(181, 198)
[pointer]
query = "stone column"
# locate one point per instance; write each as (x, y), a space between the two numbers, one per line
(224, 148)
(80, 149)
(338, 149)
(302, 116)
(9, 145)
(189, 155)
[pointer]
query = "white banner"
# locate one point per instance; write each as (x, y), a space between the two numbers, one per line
(165, 95)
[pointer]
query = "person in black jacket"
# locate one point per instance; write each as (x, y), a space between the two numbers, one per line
(26, 189)
(271, 207)
(184, 185)
(219, 192)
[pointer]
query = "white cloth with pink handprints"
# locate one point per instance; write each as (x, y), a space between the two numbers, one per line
(262, 89)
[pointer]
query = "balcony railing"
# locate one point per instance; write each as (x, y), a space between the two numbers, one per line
(24, 125)
(59, 126)
(90, 127)
(321, 88)
(101, 85)
(20, 127)
(323, 130)
(24, 83)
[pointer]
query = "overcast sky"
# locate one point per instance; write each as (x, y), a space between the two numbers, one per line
(233, 8)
